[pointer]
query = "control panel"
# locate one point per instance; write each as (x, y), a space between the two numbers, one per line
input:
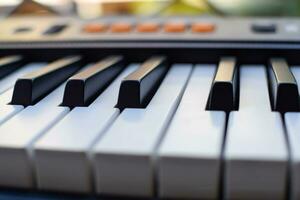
(33, 29)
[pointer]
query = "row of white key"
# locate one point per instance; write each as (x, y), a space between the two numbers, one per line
(19, 135)
(174, 140)
(67, 144)
(21, 131)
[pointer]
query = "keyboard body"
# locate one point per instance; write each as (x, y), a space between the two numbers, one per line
(231, 37)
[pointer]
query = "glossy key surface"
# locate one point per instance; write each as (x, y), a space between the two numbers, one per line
(85, 86)
(284, 89)
(32, 87)
(138, 88)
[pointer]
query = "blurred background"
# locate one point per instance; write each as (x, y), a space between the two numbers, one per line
(97, 8)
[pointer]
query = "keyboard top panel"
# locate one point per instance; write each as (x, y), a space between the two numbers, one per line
(158, 29)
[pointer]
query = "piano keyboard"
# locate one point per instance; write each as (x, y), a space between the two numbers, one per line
(158, 110)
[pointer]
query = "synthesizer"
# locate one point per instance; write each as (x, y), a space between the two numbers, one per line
(149, 108)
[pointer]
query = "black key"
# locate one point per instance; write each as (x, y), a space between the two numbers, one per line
(284, 89)
(55, 29)
(138, 88)
(9, 64)
(84, 87)
(223, 92)
(34, 86)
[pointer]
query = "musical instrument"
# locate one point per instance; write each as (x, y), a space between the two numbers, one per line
(152, 107)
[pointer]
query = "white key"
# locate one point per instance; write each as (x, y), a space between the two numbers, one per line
(292, 122)
(10, 79)
(254, 93)
(18, 134)
(124, 157)
(189, 156)
(7, 110)
(63, 152)
(256, 155)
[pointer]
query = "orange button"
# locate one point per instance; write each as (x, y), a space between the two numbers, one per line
(121, 27)
(94, 28)
(174, 27)
(147, 27)
(203, 27)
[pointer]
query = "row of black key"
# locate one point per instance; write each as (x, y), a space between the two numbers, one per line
(137, 89)
(81, 89)
(284, 94)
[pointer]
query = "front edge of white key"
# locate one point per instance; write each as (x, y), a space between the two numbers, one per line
(256, 156)
(190, 168)
(17, 136)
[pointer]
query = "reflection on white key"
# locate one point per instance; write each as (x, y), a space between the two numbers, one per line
(292, 122)
(256, 155)
(18, 134)
(62, 153)
(124, 157)
(189, 156)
